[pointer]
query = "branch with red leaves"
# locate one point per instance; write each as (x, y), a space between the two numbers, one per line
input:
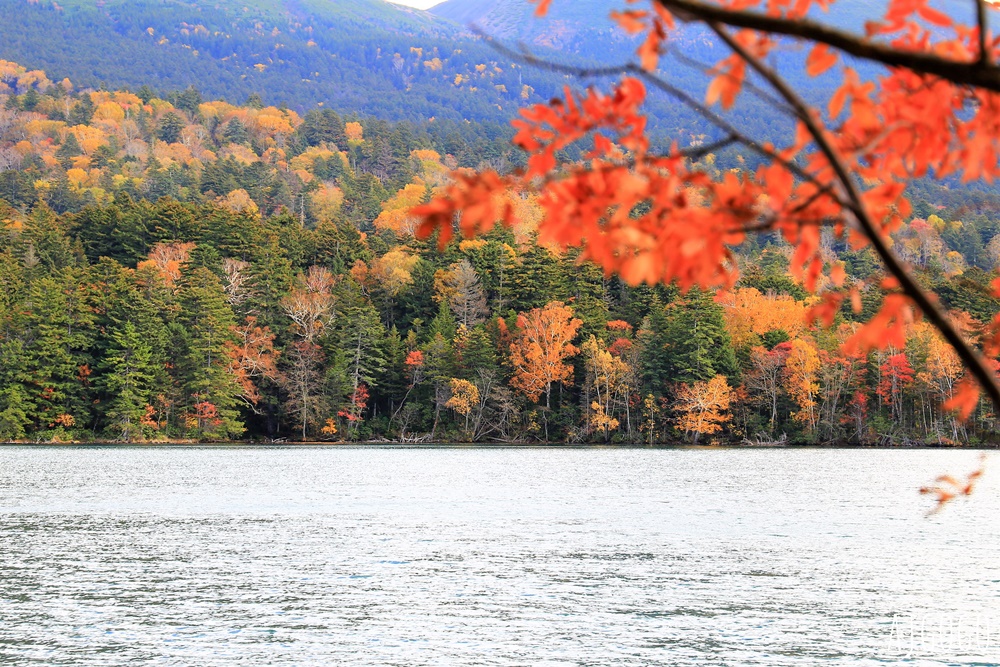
(983, 373)
(654, 218)
(978, 72)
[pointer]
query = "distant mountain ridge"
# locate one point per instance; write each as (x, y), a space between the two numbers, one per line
(367, 57)
(568, 26)
(362, 56)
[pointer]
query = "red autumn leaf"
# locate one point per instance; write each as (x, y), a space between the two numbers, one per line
(821, 58)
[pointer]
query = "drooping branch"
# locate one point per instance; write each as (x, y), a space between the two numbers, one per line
(843, 189)
(970, 357)
(980, 74)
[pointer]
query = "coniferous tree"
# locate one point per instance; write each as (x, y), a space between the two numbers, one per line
(69, 149)
(209, 391)
(83, 111)
(16, 405)
(127, 378)
(169, 128)
(655, 357)
(236, 132)
(58, 324)
(697, 340)
(360, 342)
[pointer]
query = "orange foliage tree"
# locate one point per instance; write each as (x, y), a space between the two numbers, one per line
(703, 407)
(656, 217)
(252, 357)
(540, 348)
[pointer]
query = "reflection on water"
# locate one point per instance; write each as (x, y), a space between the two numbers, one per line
(270, 556)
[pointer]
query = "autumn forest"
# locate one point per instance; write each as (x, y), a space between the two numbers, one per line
(180, 268)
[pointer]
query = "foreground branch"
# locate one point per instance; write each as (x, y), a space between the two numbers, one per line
(980, 73)
(969, 356)
(734, 133)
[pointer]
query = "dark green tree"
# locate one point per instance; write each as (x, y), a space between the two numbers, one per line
(169, 128)
(209, 390)
(126, 379)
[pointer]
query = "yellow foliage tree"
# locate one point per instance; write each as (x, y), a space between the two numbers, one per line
(395, 213)
(608, 377)
(802, 379)
(747, 313)
(109, 111)
(326, 201)
(393, 271)
(703, 407)
(464, 398)
(239, 201)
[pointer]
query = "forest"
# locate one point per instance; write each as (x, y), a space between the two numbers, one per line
(184, 269)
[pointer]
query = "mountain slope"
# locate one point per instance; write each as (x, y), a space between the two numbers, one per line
(362, 56)
(571, 22)
(574, 26)
(366, 57)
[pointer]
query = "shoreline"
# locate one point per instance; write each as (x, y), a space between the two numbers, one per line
(183, 444)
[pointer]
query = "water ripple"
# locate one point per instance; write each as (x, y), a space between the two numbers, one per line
(216, 556)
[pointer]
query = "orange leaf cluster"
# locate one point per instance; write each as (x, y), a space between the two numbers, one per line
(947, 488)
(480, 200)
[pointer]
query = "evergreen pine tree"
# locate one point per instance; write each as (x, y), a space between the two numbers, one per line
(83, 111)
(169, 128)
(127, 377)
(16, 406)
(69, 149)
(58, 324)
(210, 391)
(361, 338)
(697, 340)
(655, 356)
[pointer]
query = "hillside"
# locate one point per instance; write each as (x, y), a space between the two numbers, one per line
(362, 56)
(577, 25)
(570, 27)
(355, 56)
(581, 32)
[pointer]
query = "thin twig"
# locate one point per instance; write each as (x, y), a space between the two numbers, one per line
(528, 58)
(708, 70)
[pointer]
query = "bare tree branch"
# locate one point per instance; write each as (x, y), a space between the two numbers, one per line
(980, 75)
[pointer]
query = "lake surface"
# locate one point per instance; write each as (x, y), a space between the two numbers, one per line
(479, 556)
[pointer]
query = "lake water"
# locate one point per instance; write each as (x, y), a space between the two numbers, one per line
(505, 556)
